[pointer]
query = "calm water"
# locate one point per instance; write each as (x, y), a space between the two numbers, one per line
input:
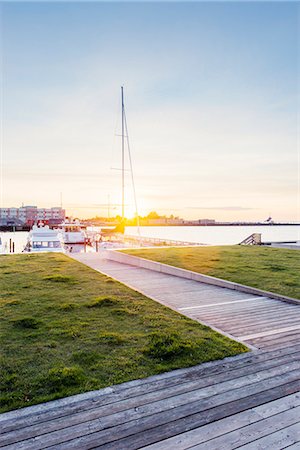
(19, 238)
(219, 235)
(205, 235)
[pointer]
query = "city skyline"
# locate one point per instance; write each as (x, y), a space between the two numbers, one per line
(211, 102)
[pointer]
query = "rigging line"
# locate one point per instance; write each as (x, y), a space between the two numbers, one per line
(123, 154)
(132, 177)
(112, 154)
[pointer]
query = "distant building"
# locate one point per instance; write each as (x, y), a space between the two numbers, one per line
(206, 221)
(175, 221)
(163, 221)
(28, 215)
(200, 222)
(159, 221)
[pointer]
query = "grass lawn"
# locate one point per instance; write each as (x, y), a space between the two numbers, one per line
(66, 329)
(272, 269)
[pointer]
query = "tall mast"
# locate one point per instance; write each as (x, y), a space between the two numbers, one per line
(123, 153)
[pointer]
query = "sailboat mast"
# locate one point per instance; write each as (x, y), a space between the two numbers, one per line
(123, 153)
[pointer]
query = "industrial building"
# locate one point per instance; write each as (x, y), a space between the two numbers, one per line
(29, 215)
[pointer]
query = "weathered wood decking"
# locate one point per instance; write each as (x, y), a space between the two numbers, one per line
(259, 321)
(223, 405)
(250, 402)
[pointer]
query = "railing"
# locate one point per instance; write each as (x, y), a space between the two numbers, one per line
(158, 241)
(253, 239)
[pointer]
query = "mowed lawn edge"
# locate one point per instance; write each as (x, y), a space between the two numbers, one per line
(67, 329)
(270, 269)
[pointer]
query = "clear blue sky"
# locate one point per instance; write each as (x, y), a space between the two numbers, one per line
(211, 98)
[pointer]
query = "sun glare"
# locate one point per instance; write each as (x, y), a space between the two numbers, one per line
(143, 210)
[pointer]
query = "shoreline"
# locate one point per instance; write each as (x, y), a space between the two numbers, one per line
(14, 228)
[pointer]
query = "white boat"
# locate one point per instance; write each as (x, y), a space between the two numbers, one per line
(73, 232)
(43, 239)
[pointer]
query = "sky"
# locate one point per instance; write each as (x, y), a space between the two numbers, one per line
(210, 96)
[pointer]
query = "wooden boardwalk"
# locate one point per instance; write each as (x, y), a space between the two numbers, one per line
(251, 401)
(258, 321)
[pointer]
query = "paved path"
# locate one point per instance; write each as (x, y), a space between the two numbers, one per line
(251, 401)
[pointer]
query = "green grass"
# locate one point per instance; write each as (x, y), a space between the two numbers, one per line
(272, 269)
(66, 329)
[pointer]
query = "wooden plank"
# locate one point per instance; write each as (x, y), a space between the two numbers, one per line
(156, 401)
(245, 307)
(294, 446)
(163, 431)
(248, 318)
(229, 424)
(237, 316)
(236, 324)
(222, 303)
(278, 344)
(188, 286)
(285, 349)
(256, 330)
(255, 326)
(268, 305)
(261, 329)
(284, 345)
(242, 335)
(247, 314)
(184, 300)
(288, 338)
(266, 324)
(252, 432)
(259, 302)
(276, 441)
(213, 371)
(159, 417)
(282, 336)
(269, 333)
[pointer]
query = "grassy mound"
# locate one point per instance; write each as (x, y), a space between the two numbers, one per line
(66, 329)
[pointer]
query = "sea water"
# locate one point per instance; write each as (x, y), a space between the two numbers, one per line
(219, 235)
(212, 235)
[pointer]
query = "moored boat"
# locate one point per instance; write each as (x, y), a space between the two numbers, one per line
(43, 239)
(73, 233)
